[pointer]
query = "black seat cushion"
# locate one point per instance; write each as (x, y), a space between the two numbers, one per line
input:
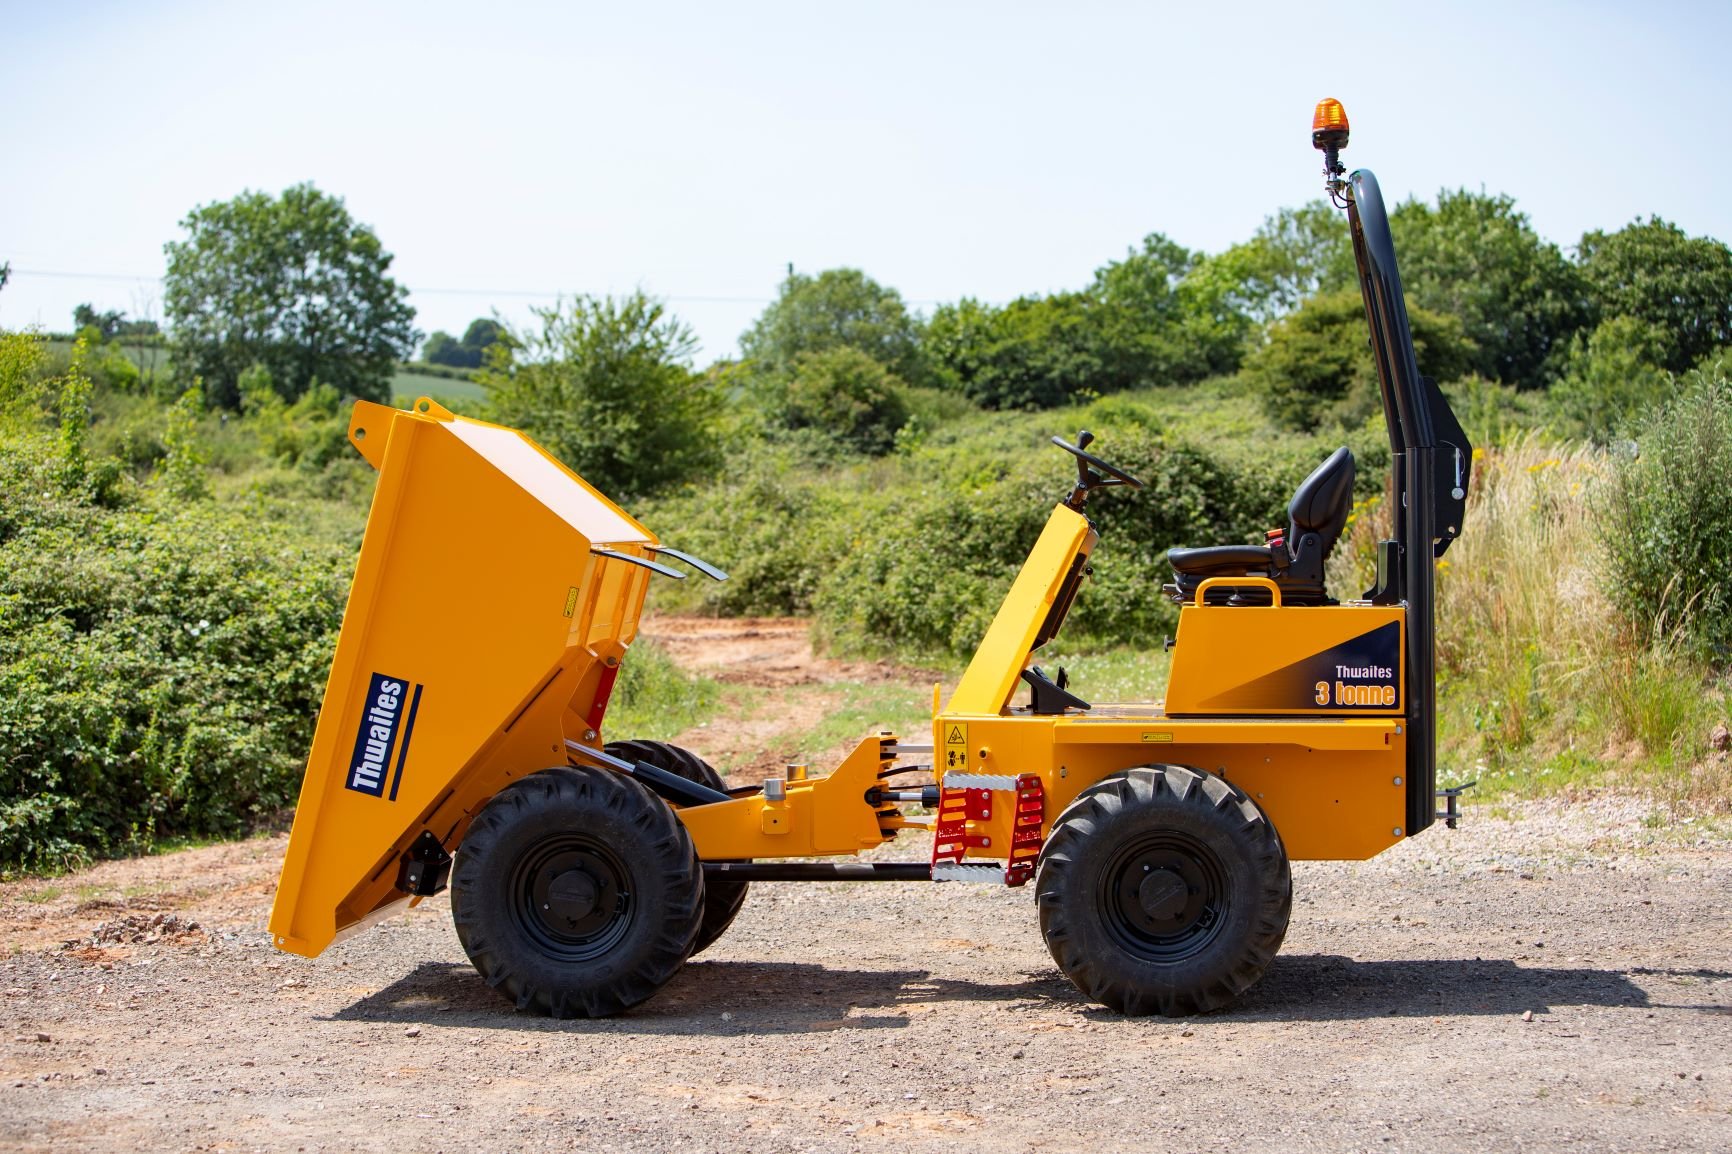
(1220, 560)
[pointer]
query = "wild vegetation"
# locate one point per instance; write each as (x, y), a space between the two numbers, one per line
(179, 513)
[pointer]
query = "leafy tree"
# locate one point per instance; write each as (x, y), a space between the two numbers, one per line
(1476, 258)
(1033, 353)
(1156, 326)
(482, 334)
(107, 325)
(1317, 366)
(292, 283)
(442, 349)
(1679, 285)
(842, 393)
(838, 307)
(1612, 374)
(1294, 254)
(606, 386)
(1145, 320)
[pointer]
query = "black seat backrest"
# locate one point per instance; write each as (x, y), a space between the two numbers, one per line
(1323, 501)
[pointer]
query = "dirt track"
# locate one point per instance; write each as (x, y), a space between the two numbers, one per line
(902, 1016)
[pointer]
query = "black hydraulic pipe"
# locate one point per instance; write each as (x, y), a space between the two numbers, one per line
(817, 871)
(671, 786)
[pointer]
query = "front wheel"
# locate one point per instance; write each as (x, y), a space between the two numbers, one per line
(1163, 890)
(576, 892)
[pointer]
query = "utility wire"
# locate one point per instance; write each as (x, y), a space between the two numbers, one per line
(529, 294)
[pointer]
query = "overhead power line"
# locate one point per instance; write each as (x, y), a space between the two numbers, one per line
(527, 294)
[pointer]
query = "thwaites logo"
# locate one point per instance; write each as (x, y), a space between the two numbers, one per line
(382, 744)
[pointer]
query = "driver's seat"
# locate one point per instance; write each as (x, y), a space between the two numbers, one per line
(1316, 516)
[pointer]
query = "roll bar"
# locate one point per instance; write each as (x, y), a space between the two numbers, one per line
(1430, 460)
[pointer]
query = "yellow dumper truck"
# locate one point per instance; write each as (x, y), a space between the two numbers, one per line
(461, 742)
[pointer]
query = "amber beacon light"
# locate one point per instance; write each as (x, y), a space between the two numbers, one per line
(1329, 133)
(1329, 124)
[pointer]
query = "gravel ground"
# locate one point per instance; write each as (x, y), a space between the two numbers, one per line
(1557, 982)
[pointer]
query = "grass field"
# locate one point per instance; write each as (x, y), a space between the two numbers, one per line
(409, 384)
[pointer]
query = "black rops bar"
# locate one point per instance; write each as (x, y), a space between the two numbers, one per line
(1430, 460)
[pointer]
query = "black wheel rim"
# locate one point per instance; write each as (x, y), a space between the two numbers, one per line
(571, 897)
(1165, 897)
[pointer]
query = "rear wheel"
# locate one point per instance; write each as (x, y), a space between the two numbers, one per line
(722, 899)
(1163, 890)
(576, 893)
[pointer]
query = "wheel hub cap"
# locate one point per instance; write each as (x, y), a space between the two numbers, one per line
(572, 896)
(1162, 895)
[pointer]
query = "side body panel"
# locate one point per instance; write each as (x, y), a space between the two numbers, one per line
(1258, 661)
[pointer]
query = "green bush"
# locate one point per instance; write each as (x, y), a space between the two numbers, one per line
(161, 664)
(1610, 376)
(1316, 366)
(912, 554)
(1033, 353)
(838, 308)
(23, 369)
(606, 386)
(1668, 519)
(840, 392)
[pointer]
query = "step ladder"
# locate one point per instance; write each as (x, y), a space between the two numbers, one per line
(968, 797)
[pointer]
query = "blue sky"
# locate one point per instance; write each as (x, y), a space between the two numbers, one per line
(506, 152)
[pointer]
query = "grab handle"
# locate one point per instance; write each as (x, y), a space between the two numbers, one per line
(1231, 582)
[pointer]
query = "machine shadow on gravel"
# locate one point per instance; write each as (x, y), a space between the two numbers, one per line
(798, 997)
(1328, 987)
(759, 997)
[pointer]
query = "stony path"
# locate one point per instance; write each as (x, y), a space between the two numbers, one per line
(1557, 982)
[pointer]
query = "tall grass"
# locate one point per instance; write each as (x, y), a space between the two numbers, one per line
(1543, 681)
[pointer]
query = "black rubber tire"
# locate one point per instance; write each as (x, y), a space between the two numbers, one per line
(1163, 890)
(613, 837)
(722, 899)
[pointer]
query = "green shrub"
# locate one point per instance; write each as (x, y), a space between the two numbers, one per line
(841, 392)
(1316, 366)
(1668, 519)
(606, 386)
(161, 664)
(23, 369)
(654, 699)
(1033, 353)
(1492, 414)
(1610, 376)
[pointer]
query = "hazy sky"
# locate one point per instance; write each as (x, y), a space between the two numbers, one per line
(506, 152)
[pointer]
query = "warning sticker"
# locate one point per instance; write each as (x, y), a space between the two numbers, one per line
(955, 747)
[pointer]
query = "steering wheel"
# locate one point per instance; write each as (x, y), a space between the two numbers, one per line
(1092, 472)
